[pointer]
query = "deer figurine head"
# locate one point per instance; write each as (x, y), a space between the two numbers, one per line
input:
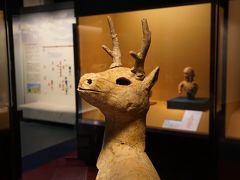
(121, 89)
(122, 94)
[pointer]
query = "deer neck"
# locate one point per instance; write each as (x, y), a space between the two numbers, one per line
(125, 130)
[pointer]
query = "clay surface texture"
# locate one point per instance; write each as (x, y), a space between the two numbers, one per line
(188, 85)
(122, 94)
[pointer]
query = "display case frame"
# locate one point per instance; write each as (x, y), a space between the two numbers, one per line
(225, 5)
(229, 142)
(10, 137)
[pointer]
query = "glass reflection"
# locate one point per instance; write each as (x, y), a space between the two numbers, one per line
(4, 96)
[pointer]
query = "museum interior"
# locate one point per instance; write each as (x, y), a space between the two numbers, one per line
(170, 111)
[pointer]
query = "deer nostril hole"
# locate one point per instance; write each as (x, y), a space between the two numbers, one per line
(89, 81)
(123, 81)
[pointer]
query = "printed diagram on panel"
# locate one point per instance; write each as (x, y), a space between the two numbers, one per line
(57, 76)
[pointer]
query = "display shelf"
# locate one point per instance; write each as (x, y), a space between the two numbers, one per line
(154, 119)
(46, 111)
(197, 104)
(233, 125)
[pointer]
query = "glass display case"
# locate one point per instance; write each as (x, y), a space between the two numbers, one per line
(4, 83)
(182, 133)
(43, 58)
(180, 38)
(44, 63)
(231, 66)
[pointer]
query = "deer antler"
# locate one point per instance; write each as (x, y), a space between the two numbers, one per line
(115, 53)
(138, 68)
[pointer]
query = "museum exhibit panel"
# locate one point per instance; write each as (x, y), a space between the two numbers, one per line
(180, 38)
(44, 59)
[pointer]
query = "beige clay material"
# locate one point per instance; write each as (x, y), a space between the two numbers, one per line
(188, 85)
(122, 94)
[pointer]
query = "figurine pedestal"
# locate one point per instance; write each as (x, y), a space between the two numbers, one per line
(197, 104)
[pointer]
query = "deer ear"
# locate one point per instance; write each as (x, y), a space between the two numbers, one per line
(151, 79)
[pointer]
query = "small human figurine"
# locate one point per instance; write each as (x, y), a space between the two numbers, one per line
(188, 85)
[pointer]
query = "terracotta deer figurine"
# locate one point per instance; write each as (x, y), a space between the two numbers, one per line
(122, 94)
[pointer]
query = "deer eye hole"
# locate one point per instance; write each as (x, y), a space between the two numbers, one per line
(123, 81)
